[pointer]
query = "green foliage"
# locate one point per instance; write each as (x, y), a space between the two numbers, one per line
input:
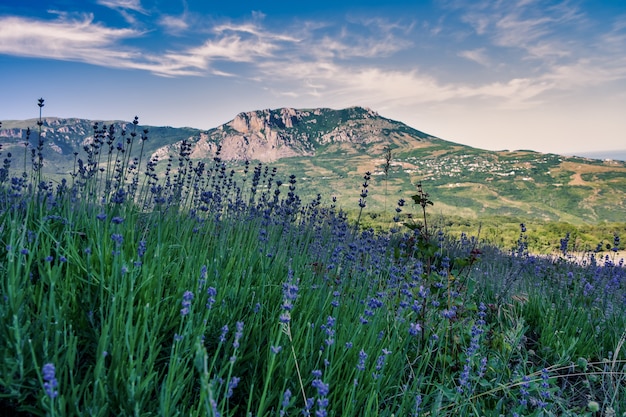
(209, 292)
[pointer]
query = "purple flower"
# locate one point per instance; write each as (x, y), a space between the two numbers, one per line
(211, 292)
(322, 388)
(50, 382)
(414, 329)
(117, 238)
(238, 334)
(101, 216)
(290, 293)
(329, 329)
(186, 303)
(224, 333)
(448, 314)
(524, 386)
(117, 220)
(141, 249)
(213, 404)
(232, 384)
(285, 403)
(276, 349)
(362, 358)
(545, 385)
(380, 363)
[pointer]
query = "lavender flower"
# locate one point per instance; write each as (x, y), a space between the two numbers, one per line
(203, 275)
(329, 329)
(448, 314)
(141, 249)
(232, 384)
(380, 363)
(414, 329)
(117, 220)
(362, 358)
(50, 382)
(290, 293)
(211, 292)
(238, 334)
(224, 333)
(418, 403)
(285, 403)
(544, 393)
(523, 390)
(322, 393)
(186, 303)
(322, 388)
(117, 238)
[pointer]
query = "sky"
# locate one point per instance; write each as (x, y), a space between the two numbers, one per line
(503, 74)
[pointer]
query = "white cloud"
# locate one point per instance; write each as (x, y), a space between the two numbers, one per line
(81, 40)
(134, 5)
(173, 24)
(477, 55)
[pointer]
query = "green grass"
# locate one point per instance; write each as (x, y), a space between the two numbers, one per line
(201, 293)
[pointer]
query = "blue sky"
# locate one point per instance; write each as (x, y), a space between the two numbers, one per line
(505, 74)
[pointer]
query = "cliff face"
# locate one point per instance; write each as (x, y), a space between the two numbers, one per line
(260, 135)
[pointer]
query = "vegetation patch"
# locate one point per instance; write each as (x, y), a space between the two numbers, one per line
(214, 291)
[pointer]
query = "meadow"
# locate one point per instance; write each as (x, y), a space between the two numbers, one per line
(205, 293)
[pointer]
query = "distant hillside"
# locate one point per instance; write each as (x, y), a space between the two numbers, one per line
(330, 150)
(62, 138)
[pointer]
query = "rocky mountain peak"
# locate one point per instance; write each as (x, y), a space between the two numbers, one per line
(268, 135)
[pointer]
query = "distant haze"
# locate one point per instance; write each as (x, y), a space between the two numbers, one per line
(618, 155)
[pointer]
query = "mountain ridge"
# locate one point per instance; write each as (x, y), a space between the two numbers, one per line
(330, 150)
(269, 135)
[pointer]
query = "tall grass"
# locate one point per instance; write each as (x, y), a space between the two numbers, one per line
(206, 292)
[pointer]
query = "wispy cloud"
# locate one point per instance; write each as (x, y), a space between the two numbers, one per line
(173, 24)
(347, 59)
(536, 26)
(477, 55)
(64, 39)
(134, 5)
(381, 87)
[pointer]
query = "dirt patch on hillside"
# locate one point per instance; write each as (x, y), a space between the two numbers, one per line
(577, 179)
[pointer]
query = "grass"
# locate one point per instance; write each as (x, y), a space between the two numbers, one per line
(205, 293)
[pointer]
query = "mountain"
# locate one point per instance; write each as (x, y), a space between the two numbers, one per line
(270, 135)
(62, 138)
(329, 151)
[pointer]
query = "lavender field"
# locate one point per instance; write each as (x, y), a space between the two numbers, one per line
(206, 292)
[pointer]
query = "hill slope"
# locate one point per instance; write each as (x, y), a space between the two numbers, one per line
(330, 150)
